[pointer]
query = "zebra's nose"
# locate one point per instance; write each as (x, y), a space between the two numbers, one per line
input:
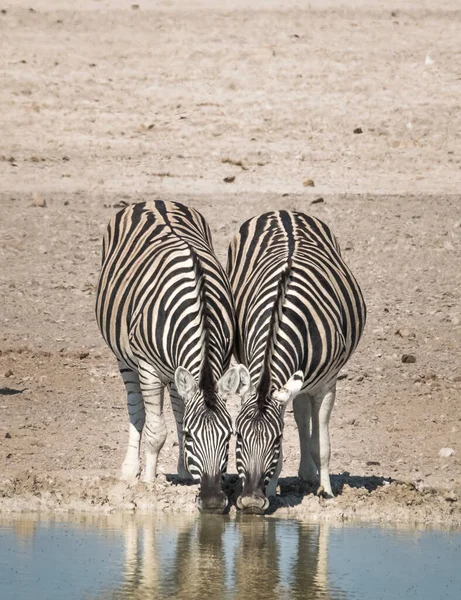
(254, 503)
(211, 497)
(214, 504)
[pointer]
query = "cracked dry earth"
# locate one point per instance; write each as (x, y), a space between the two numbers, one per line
(235, 111)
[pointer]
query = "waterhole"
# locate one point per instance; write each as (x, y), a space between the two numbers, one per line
(217, 557)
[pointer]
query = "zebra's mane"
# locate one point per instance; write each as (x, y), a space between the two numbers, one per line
(265, 382)
(207, 382)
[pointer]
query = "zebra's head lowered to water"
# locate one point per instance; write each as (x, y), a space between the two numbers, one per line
(259, 429)
(207, 428)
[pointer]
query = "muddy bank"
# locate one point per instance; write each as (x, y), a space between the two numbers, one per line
(371, 499)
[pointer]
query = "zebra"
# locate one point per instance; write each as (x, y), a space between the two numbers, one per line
(300, 314)
(165, 308)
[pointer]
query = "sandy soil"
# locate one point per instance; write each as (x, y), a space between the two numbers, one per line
(102, 103)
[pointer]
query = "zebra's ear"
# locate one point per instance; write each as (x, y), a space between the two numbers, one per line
(185, 383)
(235, 381)
(290, 389)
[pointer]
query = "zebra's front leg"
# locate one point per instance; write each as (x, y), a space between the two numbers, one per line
(322, 405)
(302, 411)
(131, 466)
(177, 404)
(154, 429)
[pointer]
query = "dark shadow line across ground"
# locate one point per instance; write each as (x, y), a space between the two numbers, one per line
(6, 391)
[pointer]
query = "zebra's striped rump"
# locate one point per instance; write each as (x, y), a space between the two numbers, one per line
(300, 314)
(165, 308)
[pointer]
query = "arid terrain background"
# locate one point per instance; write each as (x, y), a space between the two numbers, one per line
(349, 111)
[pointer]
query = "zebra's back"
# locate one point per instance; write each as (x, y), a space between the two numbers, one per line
(288, 276)
(157, 260)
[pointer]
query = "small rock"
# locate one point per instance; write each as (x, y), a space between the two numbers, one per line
(358, 130)
(229, 179)
(39, 202)
(450, 497)
(408, 358)
(8, 435)
(83, 355)
(446, 452)
(309, 183)
(373, 463)
(405, 332)
(9, 373)
(9, 455)
(317, 201)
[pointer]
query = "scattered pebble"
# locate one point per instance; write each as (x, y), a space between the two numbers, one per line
(39, 202)
(236, 163)
(408, 358)
(450, 497)
(229, 179)
(9, 373)
(8, 435)
(358, 130)
(317, 201)
(405, 332)
(309, 183)
(446, 452)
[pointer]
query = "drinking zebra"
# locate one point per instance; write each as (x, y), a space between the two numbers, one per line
(165, 308)
(300, 314)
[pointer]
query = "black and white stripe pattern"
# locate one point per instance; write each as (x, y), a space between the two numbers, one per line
(300, 314)
(164, 307)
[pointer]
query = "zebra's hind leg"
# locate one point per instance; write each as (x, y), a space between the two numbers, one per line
(322, 405)
(302, 408)
(177, 404)
(154, 429)
(131, 467)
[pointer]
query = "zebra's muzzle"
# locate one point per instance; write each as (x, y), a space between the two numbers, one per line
(215, 505)
(254, 504)
(211, 498)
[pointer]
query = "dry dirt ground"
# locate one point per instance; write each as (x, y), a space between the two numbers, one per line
(105, 103)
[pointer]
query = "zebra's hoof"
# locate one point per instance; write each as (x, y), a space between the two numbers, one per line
(130, 474)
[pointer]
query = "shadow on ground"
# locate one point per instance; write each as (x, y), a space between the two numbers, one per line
(293, 490)
(6, 391)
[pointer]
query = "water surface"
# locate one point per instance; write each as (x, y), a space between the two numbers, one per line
(216, 557)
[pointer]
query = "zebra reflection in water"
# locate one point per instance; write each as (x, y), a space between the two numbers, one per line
(212, 557)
